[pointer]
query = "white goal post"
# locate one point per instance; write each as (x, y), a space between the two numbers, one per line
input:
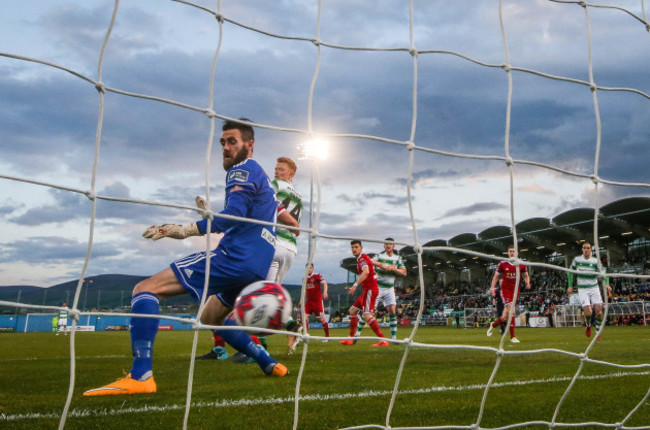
(567, 315)
(617, 314)
(43, 322)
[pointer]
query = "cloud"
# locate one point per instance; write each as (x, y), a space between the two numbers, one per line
(9, 206)
(366, 197)
(427, 176)
(390, 199)
(347, 199)
(368, 225)
(68, 207)
(77, 31)
(52, 250)
(535, 188)
(475, 209)
(186, 196)
(449, 230)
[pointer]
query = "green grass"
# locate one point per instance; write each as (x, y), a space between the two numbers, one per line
(343, 386)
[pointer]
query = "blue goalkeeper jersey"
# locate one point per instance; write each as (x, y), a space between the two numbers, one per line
(249, 194)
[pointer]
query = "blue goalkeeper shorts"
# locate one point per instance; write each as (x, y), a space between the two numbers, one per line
(226, 279)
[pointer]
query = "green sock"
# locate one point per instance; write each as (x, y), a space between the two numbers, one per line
(362, 324)
(393, 325)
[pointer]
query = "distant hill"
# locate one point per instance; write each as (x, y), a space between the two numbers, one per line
(106, 292)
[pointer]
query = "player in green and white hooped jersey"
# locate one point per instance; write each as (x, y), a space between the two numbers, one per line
(388, 265)
(587, 283)
(62, 323)
(286, 248)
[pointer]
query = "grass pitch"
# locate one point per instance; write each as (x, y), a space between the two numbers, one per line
(342, 386)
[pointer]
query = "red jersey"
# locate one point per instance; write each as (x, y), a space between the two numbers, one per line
(370, 283)
(313, 288)
(509, 274)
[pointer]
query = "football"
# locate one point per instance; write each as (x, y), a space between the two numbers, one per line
(263, 304)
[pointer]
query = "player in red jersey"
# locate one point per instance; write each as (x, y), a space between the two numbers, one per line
(507, 273)
(314, 299)
(366, 301)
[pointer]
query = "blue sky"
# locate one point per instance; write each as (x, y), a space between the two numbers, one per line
(156, 151)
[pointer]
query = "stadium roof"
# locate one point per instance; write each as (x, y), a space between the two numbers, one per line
(619, 224)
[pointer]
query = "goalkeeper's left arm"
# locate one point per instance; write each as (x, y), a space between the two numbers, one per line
(174, 231)
(177, 231)
(238, 201)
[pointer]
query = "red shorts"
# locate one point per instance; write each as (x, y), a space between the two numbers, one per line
(366, 301)
(507, 295)
(314, 308)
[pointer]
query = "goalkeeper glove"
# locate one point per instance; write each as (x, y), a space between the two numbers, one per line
(202, 204)
(175, 231)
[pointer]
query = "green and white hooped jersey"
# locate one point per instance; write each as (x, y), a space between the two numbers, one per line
(589, 266)
(292, 202)
(387, 279)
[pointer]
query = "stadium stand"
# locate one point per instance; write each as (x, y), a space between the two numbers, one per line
(455, 281)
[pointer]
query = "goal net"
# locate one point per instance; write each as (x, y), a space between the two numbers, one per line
(428, 108)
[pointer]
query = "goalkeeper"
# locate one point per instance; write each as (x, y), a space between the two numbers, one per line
(242, 257)
(289, 209)
(55, 325)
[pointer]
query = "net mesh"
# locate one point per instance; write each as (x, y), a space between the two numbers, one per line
(226, 25)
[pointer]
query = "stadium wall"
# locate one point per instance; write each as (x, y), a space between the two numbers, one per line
(43, 323)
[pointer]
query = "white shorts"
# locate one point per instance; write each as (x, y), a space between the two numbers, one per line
(590, 296)
(280, 265)
(386, 296)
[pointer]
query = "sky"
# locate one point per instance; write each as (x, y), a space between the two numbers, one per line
(362, 104)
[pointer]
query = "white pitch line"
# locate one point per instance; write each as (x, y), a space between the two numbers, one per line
(90, 357)
(74, 413)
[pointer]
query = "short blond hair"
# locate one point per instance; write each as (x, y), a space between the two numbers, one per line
(289, 162)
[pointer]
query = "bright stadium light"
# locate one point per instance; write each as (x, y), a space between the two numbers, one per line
(316, 150)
